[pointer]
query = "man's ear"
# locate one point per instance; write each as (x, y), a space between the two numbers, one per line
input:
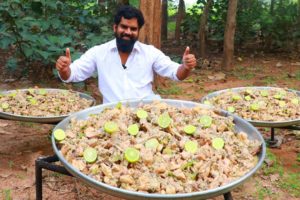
(115, 27)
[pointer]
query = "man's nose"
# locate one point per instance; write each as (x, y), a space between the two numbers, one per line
(127, 30)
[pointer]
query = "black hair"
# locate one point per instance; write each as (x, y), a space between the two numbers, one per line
(129, 12)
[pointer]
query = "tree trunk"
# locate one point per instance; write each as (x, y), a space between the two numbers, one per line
(272, 7)
(164, 20)
(202, 29)
(151, 32)
(180, 16)
(228, 50)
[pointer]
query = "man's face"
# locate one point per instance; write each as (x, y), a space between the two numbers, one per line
(126, 33)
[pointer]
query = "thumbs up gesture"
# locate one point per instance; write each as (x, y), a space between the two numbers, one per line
(188, 60)
(63, 62)
(63, 65)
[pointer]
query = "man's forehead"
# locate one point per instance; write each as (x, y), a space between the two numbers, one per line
(132, 22)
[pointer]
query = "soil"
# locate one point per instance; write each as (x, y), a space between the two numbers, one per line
(23, 142)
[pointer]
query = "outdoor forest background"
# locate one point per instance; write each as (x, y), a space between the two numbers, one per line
(33, 34)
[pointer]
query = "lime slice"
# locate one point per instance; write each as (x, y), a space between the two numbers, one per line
(254, 107)
(191, 146)
(164, 120)
(295, 101)
(90, 155)
(247, 98)
(71, 100)
(218, 143)
(167, 151)
(264, 93)
(189, 129)
(4, 105)
(29, 97)
(33, 101)
(42, 91)
(277, 96)
(236, 97)
(59, 134)
(13, 94)
(110, 127)
(142, 114)
(249, 91)
(31, 91)
(206, 102)
(119, 105)
(205, 121)
(231, 109)
(133, 129)
(132, 155)
(282, 104)
(152, 143)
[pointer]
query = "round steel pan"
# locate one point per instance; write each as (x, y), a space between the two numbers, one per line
(256, 122)
(240, 125)
(52, 119)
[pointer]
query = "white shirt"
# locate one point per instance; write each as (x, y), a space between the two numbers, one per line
(117, 83)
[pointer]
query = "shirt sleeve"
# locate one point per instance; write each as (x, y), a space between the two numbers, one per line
(83, 67)
(164, 66)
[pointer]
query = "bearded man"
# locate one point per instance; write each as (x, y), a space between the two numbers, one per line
(124, 65)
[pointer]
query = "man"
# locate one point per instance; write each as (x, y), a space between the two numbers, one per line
(125, 66)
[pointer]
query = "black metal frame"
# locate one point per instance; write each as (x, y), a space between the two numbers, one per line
(273, 141)
(47, 163)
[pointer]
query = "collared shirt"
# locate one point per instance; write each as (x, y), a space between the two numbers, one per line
(117, 83)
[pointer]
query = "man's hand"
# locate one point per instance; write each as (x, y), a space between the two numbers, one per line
(63, 65)
(188, 60)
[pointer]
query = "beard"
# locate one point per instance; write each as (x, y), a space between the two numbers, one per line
(125, 45)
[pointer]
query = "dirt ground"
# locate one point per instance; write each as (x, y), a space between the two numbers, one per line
(23, 142)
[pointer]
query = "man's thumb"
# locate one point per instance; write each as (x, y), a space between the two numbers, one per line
(187, 51)
(68, 54)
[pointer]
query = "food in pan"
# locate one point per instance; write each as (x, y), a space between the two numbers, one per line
(273, 105)
(159, 148)
(42, 102)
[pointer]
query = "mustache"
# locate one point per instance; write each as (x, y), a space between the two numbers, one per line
(126, 35)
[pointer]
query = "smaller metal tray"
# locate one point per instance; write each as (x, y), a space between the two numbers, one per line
(52, 119)
(257, 122)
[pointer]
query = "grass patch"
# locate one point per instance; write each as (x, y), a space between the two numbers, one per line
(173, 90)
(7, 194)
(269, 80)
(11, 164)
(298, 75)
(242, 73)
(263, 192)
(276, 168)
(291, 183)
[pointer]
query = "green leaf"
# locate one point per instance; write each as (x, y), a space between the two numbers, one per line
(44, 54)
(5, 42)
(11, 64)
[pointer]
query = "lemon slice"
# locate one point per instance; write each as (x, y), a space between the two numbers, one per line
(206, 121)
(264, 93)
(231, 109)
(142, 114)
(42, 91)
(282, 104)
(236, 97)
(254, 107)
(133, 129)
(218, 143)
(4, 106)
(191, 146)
(132, 155)
(295, 101)
(206, 102)
(59, 134)
(189, 129)
(277, 96)
(119, 105)
(110, 127)
(90, 155)
(33, 101)
(247, 98)
(152, 143)
(164, 120)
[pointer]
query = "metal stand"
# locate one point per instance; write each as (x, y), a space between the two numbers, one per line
(47, 163)
(273, 141)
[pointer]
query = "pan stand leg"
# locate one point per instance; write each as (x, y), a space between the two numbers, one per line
(228, 196)
(46, 163)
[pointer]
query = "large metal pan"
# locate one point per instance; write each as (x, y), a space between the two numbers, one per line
(257, 123)
(51, 119)
(240, 124)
